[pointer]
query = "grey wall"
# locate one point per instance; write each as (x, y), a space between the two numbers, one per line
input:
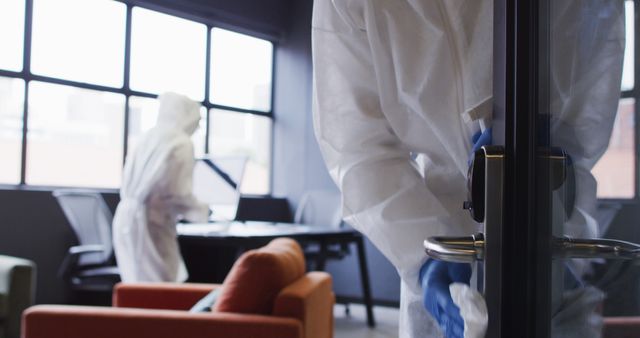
(298, 164)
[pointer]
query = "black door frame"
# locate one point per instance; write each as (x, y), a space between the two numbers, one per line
(520, 78)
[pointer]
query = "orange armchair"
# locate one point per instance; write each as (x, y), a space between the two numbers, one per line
(302, 309)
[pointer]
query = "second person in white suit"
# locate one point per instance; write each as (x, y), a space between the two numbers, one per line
(156, 193)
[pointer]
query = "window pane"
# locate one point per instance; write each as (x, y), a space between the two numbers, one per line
(143, 113)
(11, 34)
(75, 136)
(240, 70)
(244, 134)
(167, 54)
(79, 40)
(615, 170)
(628, 68)
(11, 107)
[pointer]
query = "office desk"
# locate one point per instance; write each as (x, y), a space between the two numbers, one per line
(244, 236)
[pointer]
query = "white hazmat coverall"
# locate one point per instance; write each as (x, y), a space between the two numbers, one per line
(156, 192)
(402, 77)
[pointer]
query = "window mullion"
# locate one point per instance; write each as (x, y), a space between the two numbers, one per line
(26, 70)
(126, 87)
(207, 87)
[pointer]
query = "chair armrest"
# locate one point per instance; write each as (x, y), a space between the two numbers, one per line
(621, 327)
(66, 321)
(83, 249)
(310, 299)
(170, 296)
(73, 255)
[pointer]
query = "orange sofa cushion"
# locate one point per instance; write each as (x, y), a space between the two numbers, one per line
(259, 275)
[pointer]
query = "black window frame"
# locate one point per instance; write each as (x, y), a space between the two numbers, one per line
(27, 76)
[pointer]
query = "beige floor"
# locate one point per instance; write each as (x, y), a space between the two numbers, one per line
(355, 325)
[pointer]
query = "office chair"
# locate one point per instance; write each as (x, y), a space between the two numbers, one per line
(264, 209)
(89, 266)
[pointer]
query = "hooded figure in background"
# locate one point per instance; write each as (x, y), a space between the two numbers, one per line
(156, 193)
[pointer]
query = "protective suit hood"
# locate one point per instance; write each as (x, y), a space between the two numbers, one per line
(178, 112)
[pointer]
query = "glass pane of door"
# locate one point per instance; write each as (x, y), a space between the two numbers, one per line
(586, 151)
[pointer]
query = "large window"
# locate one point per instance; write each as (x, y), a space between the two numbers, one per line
(79, 78)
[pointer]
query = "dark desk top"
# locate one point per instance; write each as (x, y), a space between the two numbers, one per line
(254, 230)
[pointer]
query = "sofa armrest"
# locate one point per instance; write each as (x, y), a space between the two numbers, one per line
(169, 296)
(17, 292)
(310, 299)
(66, 321)
(621, 327)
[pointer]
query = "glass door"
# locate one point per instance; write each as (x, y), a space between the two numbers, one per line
(570, 147)
(557, 192)
(582, 47)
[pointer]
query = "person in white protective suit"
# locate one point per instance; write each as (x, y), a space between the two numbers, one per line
(397, 78)
(156, 193)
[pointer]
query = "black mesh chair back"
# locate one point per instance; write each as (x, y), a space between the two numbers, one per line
(89, 266)
(90, 218)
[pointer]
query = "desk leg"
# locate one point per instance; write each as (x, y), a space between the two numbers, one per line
(364, 278)
(321, 260)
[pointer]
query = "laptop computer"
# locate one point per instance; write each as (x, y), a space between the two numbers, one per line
(216, 182)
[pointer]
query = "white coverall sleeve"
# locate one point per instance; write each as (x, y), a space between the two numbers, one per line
(180, 165)
(384, 194)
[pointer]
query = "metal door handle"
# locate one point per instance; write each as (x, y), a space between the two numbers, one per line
(567, 247)
(471, 248)
(456, 249)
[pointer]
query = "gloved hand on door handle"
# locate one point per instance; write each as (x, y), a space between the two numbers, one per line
(437, 276)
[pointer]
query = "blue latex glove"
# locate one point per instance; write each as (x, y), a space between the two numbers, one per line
(481, 138)
(435, 277)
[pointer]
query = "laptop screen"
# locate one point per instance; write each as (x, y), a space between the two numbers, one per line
(216, 182)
